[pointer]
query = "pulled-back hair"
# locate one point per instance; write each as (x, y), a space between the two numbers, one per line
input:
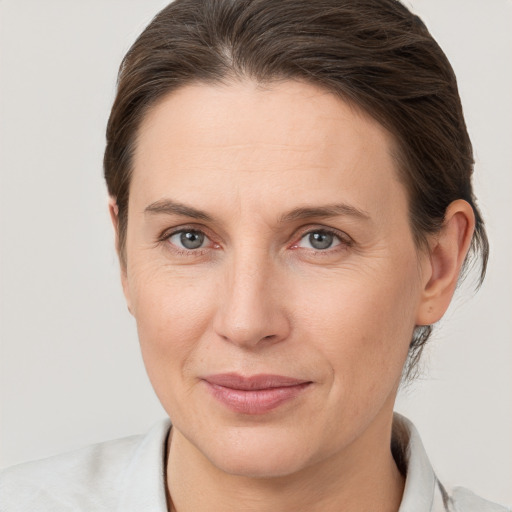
(374, 54)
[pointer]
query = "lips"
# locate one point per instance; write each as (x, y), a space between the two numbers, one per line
(256, 394)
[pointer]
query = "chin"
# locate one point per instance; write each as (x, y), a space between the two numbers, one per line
(249, 452)
(263, 467)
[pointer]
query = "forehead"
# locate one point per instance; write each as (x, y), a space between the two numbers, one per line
(245, 138)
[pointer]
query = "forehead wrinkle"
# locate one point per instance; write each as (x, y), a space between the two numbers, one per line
(252, 145)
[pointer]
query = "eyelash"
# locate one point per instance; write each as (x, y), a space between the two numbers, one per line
(166, 236)
(344, 241)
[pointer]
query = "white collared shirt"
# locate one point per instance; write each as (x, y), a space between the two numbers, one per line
(128, 475)
(423, 492)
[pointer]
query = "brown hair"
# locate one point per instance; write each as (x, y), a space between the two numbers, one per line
(374, 54)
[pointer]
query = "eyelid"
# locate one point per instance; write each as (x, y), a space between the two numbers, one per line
(169, 232)
(345, 240)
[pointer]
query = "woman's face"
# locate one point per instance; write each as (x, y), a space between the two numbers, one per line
(272, 273)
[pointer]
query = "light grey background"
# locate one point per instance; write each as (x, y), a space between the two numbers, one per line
(70, 369)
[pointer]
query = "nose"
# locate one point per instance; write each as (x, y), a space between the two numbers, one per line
(251, 309)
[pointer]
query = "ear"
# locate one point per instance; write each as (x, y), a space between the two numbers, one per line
(448, 249)
(114, 217)
(113, 209)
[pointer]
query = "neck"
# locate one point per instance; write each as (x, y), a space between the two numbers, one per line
(362, 477)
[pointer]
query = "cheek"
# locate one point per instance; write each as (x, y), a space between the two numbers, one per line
(172, 314)
(362, 323)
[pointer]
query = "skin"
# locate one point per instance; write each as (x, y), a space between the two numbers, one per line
(257, 297)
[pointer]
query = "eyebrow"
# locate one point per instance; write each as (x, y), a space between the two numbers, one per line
(170, 207)
(333, 210)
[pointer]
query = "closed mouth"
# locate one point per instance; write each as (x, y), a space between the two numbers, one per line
(256, 394)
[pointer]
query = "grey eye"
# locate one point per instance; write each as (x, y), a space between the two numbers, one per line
(319, 240)
(189, 240)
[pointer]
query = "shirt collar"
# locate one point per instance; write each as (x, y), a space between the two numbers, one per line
(143, 480)
(422, 492)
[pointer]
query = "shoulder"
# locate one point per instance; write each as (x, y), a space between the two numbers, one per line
(92, 478)
(460, 499)
(87, 478)
(423, 492)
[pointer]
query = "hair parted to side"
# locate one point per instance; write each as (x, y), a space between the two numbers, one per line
(375, 54)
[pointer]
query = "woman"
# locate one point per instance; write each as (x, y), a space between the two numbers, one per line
(291, 192)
